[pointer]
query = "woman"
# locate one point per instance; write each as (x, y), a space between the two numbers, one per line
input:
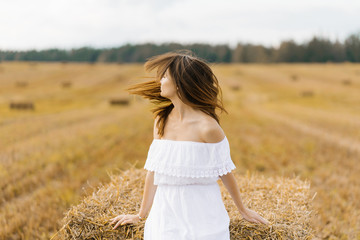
(189, 153)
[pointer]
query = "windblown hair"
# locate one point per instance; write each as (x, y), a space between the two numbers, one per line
(197, 85)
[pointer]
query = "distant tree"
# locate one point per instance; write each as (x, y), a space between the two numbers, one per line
(205, 51)
(84, 54)
(338, 52)
(237, 53)
(223, 53)
(289, 51)
(318, 50)
(352, 48)
(250, 53)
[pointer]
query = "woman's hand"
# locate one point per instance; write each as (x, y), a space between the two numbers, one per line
(123, 219)
(252, 216)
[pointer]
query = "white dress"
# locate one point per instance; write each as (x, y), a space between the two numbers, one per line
(187, 204)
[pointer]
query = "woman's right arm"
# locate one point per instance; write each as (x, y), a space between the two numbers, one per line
(148, 196)
(149, 188)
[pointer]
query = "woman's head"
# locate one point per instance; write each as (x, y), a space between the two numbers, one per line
(180, 75)
(188, 77)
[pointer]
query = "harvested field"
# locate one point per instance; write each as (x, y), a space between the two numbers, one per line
(54, 156)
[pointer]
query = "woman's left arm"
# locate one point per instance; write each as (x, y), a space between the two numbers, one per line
(231, 185)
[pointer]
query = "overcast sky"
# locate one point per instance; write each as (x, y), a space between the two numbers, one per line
(41, 24)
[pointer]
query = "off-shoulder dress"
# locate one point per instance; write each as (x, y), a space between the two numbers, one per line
(187, 204)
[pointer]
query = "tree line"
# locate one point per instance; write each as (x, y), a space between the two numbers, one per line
(317, 49)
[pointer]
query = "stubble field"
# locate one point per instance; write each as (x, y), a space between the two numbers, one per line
(284, 119)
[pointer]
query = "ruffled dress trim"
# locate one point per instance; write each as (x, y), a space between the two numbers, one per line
(189, 158)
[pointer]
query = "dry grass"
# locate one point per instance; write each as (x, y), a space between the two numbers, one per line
(286, 203)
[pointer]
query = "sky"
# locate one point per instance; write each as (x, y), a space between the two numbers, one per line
(66, 24)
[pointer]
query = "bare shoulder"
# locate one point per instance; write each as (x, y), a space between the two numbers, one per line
(155, 132)
(211, 131)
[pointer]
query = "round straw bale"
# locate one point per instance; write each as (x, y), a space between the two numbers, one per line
(66, 84)
(286, 203)
(307, 93)
(235, 87)
(119, 101)
(21, 84)
(22, 105)
(346, 81)
(294, 77)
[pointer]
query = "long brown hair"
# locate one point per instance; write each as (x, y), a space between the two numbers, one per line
(197, 85)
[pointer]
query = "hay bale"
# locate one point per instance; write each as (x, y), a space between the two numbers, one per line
(21, 84)
(33, 65)
(22, 105)
(294, 77)
(234, 84)
(66, 84)
(284, 202)
(120, 78)
(235, 87)
(307, 93)
(238, 72)
(119, 101)
(346, 82)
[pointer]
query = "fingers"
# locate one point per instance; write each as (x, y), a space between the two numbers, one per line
(117, 225)
(258, 219)
(266, 222)
(119, 219)
(111, 219)
(126, 221)
(122, 221)
(116, 219)
(262, 220)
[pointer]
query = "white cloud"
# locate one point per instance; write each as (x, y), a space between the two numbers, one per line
(104, 23)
